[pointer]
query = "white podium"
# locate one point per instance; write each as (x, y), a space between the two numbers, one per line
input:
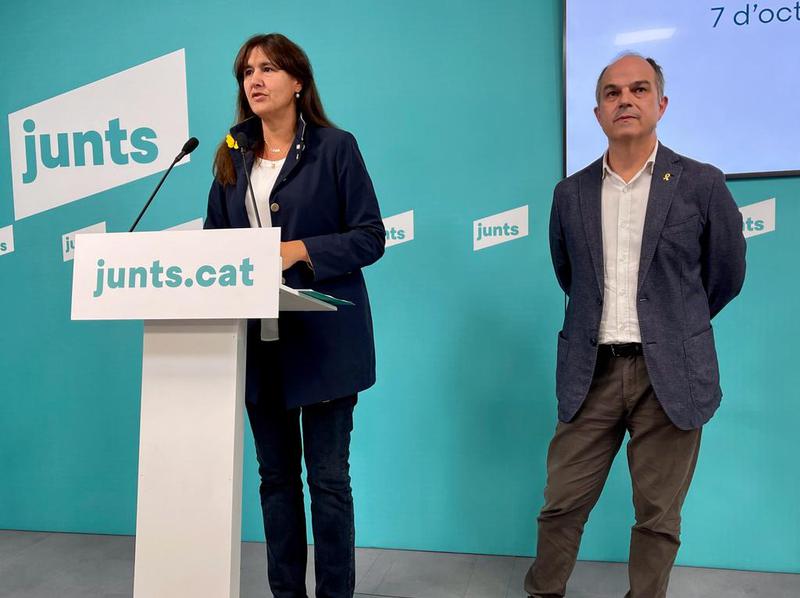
(194, 290)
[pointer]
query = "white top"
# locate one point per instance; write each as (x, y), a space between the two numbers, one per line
(263, 177)
(623, 207)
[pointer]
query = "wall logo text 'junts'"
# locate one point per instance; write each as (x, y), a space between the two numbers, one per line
(99, 136)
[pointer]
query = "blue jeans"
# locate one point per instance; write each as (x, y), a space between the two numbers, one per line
(326, 429)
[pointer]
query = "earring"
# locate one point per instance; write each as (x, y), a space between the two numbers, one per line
(297, 95)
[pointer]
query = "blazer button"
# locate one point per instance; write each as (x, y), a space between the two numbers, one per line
(593, 341)
(274, 207)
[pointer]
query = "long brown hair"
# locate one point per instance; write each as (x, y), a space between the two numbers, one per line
(289, 57)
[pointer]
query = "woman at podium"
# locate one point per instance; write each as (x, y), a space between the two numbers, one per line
(305, 371)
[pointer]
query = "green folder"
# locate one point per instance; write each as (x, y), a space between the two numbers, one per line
(324, 297)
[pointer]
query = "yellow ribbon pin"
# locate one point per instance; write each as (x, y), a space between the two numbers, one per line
(666, 176)
(231, 141)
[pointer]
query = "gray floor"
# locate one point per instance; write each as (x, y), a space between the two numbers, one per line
(45, 565)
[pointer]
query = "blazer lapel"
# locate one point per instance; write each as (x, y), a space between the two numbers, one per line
(590, 191)
(666, 176)
(292, 158)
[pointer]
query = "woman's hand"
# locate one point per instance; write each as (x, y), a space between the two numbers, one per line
(293, 252)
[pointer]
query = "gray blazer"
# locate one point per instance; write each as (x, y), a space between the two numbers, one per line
(692, 264)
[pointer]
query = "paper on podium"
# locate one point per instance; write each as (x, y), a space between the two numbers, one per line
(323, 297)
(306, 300)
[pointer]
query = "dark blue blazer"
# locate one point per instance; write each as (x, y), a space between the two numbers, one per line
(691, 265)
(327, 200)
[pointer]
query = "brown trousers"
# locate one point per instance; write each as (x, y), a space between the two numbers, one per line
(661, 459)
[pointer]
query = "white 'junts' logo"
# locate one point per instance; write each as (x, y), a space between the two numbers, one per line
(399, 228)
(99, 136)
(499, 228)
(758, 218)
(6, 239)
(68, 240)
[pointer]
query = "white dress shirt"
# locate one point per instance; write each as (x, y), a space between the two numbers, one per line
(623, 207)
(262, 176)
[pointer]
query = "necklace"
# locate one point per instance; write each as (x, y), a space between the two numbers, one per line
(273, 162)
(274, 150)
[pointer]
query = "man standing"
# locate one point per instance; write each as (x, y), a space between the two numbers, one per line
(648, 246)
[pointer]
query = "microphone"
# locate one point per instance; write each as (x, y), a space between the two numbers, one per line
(243, 142)
(187, 148)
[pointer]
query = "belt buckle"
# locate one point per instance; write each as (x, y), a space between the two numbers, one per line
(614, 351)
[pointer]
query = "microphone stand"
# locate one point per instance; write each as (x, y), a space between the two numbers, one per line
(188, 148)
(242, 141)
(153, 194)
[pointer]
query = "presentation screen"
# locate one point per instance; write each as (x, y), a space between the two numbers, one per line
(732, 74)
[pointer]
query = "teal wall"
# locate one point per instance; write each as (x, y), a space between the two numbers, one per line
(457, 109)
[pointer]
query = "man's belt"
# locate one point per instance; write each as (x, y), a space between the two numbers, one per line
(621, 349)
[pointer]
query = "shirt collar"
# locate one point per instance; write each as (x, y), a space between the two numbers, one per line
(649, 165)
